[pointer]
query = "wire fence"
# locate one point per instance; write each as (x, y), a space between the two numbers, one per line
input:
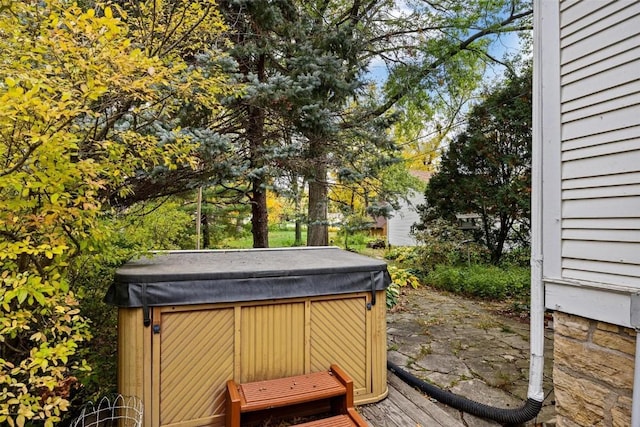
(111, 411)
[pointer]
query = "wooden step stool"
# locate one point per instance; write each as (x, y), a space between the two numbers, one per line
(301, 395)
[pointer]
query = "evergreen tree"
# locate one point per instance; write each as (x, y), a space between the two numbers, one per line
(486, 170)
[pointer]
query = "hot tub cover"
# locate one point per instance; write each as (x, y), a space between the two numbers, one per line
(199, 277)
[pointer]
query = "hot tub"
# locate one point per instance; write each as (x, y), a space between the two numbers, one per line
(191, 320)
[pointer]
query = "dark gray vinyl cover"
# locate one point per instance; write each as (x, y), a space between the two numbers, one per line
(198, 277)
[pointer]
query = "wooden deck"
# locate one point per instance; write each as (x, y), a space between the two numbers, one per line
(406, 407)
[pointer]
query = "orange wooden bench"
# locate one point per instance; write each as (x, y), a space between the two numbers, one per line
(326, 391)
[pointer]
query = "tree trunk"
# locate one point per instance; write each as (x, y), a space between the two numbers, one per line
(298, 237)
(206, 238)
(295, 188)
(259, 214)
(258, 197)
(318, 229)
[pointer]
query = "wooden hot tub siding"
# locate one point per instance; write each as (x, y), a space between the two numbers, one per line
(180, 364)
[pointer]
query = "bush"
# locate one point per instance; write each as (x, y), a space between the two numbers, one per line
(400, 277)
(484, 281)
(520, 257)
(406, 256)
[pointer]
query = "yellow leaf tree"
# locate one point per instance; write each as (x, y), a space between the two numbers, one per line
(79, 90)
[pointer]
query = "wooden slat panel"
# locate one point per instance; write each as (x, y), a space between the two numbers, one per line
(272, 341)
(196, 360)
(338, 335)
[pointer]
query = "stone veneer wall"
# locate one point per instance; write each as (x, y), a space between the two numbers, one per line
(592, 372)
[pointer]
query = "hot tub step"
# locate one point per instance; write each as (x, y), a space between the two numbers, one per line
(308, 394)
(349, 420)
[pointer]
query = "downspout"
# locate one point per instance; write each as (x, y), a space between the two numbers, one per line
(535, 393)
(635, 401)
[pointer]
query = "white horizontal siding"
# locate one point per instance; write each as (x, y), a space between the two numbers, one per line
(605, 104)
(601, 61)
(575, 10)
(596, 151)
(588, 99)
(608, 147)
(602, 235)
(615, 163)
(612, 207)
(602, 138)
(618, 269)
(601, 192)
(578, 18)
(624, 74)
(586, 35)
(594, 302)
(601, 181)
(606, 122)
(400, 224)
(594, 26)
(601, 223)
(611, 278)
(618, 252)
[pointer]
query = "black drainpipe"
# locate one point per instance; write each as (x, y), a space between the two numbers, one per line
(508, 417)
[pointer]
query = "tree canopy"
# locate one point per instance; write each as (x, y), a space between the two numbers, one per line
(486, 170)
(81, 101)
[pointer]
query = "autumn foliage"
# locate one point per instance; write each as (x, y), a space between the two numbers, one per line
(80, 90)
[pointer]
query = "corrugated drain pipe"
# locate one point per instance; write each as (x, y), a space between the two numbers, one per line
(535, 395)
(516, 416)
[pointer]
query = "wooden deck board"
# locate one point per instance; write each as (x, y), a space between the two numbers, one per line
(406, 407)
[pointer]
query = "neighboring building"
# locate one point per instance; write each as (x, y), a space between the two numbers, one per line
(402, 220)
(587, 192)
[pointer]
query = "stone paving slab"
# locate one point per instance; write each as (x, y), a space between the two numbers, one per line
(466, 346)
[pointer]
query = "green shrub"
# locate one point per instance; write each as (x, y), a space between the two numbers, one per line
(484, 281)
(520, 257)
(400, 277)
(393, 293)
(403, 255)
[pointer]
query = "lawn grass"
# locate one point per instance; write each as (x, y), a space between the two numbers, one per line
(277, 239)
(285, 238)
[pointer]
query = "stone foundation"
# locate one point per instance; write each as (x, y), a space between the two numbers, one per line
(592, 372)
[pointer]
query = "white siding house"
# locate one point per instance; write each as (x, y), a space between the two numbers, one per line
(586, 204)
(588, 125)
(400, 223)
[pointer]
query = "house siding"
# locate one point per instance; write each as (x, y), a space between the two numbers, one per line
(400, 224)
(587, 145)
(600, 142)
